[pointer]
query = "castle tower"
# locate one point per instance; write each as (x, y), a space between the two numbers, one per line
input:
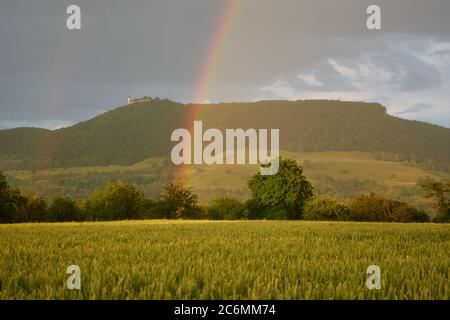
(130, 101)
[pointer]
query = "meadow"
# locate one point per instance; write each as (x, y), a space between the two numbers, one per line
(210, 182)
(165, 259)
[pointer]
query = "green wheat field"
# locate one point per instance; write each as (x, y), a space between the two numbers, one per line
(224, 260)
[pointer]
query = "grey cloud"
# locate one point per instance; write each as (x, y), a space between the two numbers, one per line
(392, 68)
(418, 107)
(159, 48)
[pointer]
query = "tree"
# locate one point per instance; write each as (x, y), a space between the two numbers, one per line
(116, 201)
(440, 191)
(7, 208)
(15, 207)
(180, 202)
(63, 209)
(226, 208)
(283, 194)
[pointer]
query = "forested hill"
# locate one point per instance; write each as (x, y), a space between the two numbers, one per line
(132, 133)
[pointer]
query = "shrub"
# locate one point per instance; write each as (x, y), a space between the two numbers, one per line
(254, 209)
(179, 202)
(440, 191)
(226, 208)
(370, 207)
(276, 213)
(63, 209)
(325, 209)
(149, 209)
(405, 213)
(114, 202)
(32, 208)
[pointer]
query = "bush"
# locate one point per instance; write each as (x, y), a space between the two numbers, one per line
(405, 213)
(63, 209)
(226, 208)
(114, 202)
(442, 218)
(370, 207)
(440, 191)
(325, 209)
(179, 202)
(276, 213)
(32, 208)
(255, 211)
(7, 206)
(149, 209)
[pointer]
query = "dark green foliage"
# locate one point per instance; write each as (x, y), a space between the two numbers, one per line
(440, 191)
(32, 208)
(284, 194)
(325, 209)
(63, 209)
(7, 200)
(370, 207)
(278, 213)
(125, 135)
(151, 209)
(116, 201)
(133, 133)
(226, 208)
(256, 211)
(179, 202)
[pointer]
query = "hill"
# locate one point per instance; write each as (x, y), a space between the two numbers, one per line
(130, 134)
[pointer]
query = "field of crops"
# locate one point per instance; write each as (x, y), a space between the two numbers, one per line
(224, 260)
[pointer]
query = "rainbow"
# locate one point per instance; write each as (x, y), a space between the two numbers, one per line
(219, 40)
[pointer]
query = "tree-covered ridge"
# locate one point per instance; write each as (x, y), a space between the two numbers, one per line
(130, 134)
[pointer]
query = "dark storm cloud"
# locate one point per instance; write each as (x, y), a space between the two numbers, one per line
(159, 47)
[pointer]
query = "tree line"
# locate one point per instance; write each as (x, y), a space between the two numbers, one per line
(287, 195)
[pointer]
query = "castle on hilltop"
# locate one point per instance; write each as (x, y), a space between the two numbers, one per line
(143, 99)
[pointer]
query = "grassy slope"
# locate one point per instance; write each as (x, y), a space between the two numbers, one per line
(339, 165)
(211, 181)
(224, 260)
(360, 165)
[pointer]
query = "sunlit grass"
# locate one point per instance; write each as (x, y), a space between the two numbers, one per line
(224, 260)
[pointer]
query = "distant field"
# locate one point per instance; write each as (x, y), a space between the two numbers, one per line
(224, 260)
(213, 181)
(342, 166)
(345, 165)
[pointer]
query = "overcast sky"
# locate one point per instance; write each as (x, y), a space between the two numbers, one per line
(276, 49)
